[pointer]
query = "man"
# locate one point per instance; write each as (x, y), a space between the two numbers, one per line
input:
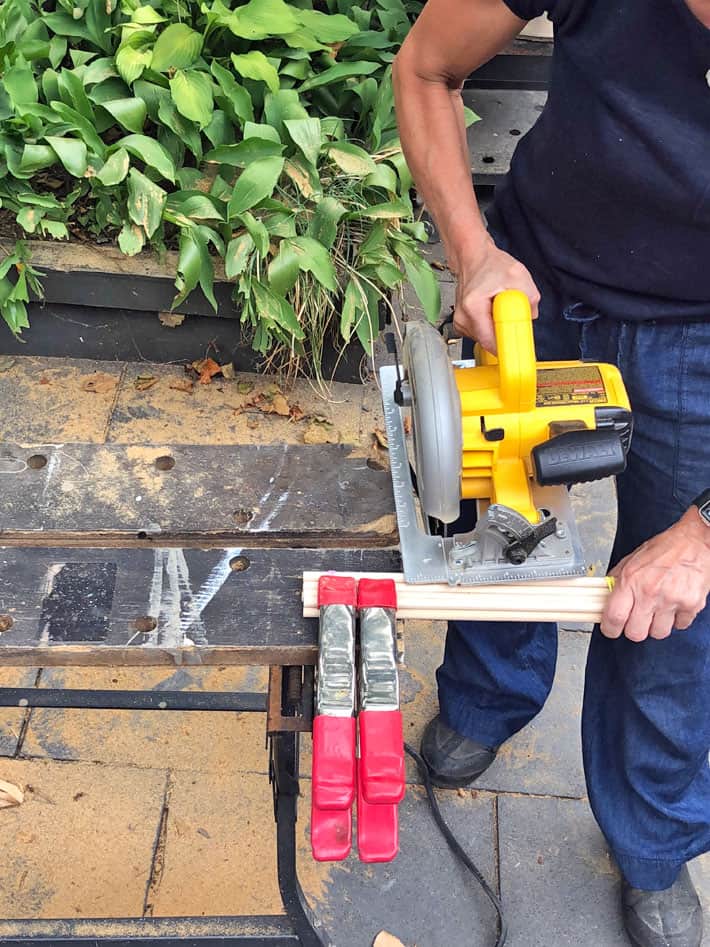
(604, 222)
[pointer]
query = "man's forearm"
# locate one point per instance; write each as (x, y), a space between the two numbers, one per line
(431, 124)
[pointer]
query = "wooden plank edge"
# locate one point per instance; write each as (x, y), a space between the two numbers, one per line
(107, 656)
(142, 539)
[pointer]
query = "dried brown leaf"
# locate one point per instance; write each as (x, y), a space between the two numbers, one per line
(206, 368)
(279, 405)
(385, 939)
(99, 383)
(10, 795)
(171, 319)
(6, 362)
(380, 438)
(182, 384)
(297, 413)
(144, 382)
(228, 371)
(320, 434)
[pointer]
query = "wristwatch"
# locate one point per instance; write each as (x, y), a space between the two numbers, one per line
(703, 504)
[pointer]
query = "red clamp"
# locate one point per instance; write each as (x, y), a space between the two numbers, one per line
(334, 735)
(381, 771)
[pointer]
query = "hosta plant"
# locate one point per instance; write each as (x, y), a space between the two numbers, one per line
(256, 137)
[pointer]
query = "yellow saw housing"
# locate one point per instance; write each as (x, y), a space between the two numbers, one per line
(512, 404)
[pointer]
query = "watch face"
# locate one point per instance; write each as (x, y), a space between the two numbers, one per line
(705, 511)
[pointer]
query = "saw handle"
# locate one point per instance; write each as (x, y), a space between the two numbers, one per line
(516, 360)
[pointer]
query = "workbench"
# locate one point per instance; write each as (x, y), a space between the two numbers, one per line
(164, 555)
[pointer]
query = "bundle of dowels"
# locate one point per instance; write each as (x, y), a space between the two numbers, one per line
(558, 600)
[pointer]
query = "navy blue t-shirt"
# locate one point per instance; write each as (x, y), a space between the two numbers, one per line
(609, 194)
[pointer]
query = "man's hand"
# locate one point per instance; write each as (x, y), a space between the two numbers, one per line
(480, 278)
(662, 585)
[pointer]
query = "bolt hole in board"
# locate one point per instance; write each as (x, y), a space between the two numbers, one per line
(36, 461)
(145, 623)
(165, 462)
(6, 623)
(239, 563)
(243, 517)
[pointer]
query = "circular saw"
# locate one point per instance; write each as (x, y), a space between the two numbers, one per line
(507, 431)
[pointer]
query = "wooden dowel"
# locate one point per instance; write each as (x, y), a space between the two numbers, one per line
(576, 599)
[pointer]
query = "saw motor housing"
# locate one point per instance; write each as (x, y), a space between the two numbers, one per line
(525, 421)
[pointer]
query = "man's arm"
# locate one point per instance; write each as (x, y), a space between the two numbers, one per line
(450, 39)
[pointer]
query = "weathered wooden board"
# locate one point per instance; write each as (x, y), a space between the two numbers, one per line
(99, 606)
(287, 494)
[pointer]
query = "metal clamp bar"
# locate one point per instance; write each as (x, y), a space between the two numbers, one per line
(131, 700)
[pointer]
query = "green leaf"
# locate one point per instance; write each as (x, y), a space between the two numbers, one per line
(193, 206)
(352, 305)
(284, 269)
(244, 152)
(314, 258)
(258, 130)
(36, 157)
(131, 239)
(324, 223)
(177, 47)
(470, 117)
(72, 153)
(338, 73)
(20, 85)
(237, 256)
(64, 25)
(55, 228)
(150, 152)
(193, 96)
(255, 65)
(383, 176)
(422, 278)
(220, 130)
(130, 113)
(29, 217)
(146, 16)
(115, 169)
(306, 135)
(257, 232)
(276, 309)
(99, 71)
(145, 202)
(72, 92)
(387, 210)
(78, 123)
(262, 19)
(57, 50)
(256, 182)
(134, 56)
(235, 94)
(351, 159)
(194, 266)
(282, 105)
(367, 326)
(328, 28)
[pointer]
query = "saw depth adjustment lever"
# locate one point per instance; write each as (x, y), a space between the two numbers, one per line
(357, 758)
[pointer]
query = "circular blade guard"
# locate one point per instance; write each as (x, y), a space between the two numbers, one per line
(436, 421)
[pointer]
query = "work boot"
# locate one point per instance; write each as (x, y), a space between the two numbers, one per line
(453, 760)
(669, 918)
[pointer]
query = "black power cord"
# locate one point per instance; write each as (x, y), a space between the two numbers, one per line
(456, 847)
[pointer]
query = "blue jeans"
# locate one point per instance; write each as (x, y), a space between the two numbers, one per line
(646, 714)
